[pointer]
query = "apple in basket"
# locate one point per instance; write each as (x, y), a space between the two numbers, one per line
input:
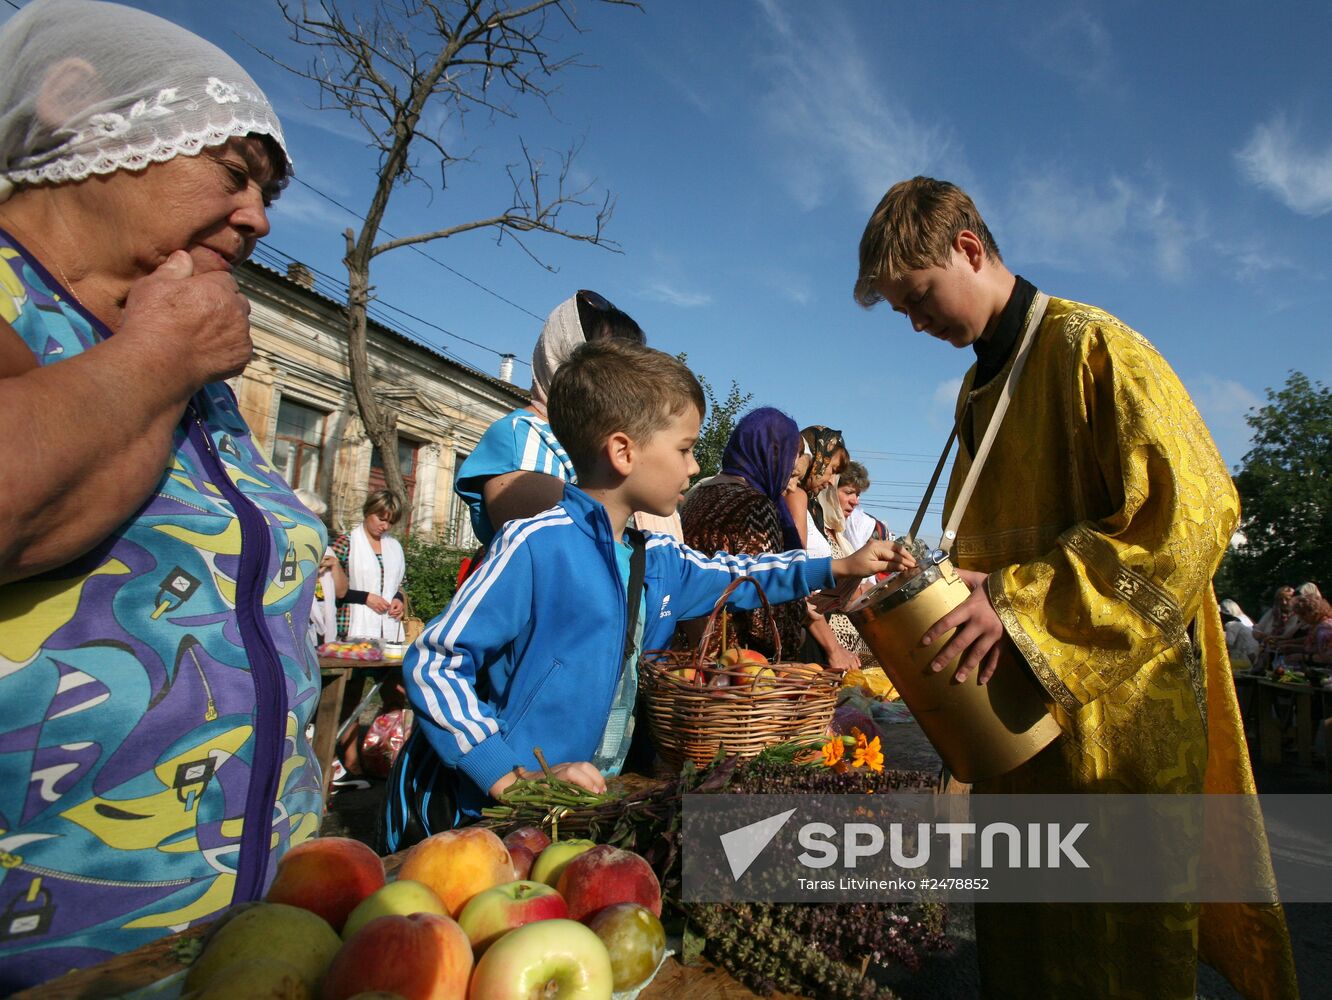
(758, 677)
(688, 675)
(735, 656)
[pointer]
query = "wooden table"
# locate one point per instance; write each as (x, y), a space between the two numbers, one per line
(328, 716)
(1272, 728)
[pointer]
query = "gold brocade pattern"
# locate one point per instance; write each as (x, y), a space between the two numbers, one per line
(1102, 514)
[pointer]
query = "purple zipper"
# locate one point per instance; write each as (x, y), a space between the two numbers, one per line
(270, 689)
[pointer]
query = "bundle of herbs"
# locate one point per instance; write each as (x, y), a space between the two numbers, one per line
(824, 950)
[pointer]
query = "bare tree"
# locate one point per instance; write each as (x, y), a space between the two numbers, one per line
(386, 64)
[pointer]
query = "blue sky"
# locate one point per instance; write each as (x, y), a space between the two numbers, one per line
(1171, 163)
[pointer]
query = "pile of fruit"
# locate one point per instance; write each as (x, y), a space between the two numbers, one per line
(820, 950)
(469, 917)
(739, 671)
(364, 649)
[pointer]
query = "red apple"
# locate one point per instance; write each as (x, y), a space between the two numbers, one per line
(734, 656)
(495, 912)
(533, 838)
(522, 860)
(328, 876)
(635, 939)
(550, 862)
(604, 876)
(548, 959)
(458, 864)
(421, 957)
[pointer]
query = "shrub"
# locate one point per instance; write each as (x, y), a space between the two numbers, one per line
(432, 573)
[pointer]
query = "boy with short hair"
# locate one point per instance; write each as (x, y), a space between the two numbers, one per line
(1090, 561)
(539, 647)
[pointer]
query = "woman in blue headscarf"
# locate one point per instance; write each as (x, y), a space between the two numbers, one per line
(741, 511)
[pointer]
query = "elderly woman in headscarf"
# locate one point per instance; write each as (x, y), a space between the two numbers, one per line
(519, 467)
(155, 677)
(826, 456)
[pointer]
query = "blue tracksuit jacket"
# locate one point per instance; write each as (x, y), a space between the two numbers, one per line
(529, 651)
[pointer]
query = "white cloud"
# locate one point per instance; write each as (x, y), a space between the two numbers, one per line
(1223, 404)
(1282, 163)
(1075, 45)
(828, 140)
(1114, 226)
(299, 204)
(944, 396)
(661, 291)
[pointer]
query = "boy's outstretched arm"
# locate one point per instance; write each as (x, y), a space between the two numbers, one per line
(873, 557)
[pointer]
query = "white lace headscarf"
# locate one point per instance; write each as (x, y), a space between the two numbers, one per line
(91, 88)
(560, 337)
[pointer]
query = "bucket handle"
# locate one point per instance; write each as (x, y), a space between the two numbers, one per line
(717, 609)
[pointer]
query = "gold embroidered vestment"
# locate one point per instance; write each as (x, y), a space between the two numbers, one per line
(1101, 517)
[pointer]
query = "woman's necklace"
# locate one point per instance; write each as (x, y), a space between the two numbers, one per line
(45, 256)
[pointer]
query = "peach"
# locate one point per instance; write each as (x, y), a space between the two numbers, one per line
(605, 876)
(458, 864)
(329, 876)
(421, 957)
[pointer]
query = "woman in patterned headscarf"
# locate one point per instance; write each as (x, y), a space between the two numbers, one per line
(828, 456)
(156, 573)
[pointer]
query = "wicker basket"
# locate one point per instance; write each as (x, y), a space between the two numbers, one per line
(699, 719)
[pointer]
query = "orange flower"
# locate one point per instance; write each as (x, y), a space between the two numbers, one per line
(861, 740)
(832, 751)
(869, 756)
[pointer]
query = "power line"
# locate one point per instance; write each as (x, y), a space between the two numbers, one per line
(13, 4)
(341, 290)
(412, 246)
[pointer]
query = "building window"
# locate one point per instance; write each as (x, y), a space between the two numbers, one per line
(407, 463)
(460, 515)
(298, 444)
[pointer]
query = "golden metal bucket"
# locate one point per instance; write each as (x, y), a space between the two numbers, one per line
(980, 730)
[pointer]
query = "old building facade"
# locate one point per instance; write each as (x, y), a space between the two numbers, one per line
(296, 396)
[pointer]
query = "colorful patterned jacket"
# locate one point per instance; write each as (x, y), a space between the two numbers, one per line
(154, 693)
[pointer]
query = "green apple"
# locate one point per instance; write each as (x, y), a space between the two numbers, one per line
(558, 959)
(550, 863)
(401, 898)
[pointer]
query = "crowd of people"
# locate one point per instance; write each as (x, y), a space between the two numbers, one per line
(1295, 631)
(158, 578)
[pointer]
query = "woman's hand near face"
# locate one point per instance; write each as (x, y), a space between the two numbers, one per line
(193, 322)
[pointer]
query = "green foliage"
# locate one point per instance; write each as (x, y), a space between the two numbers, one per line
(432, 573)
(718, 424)
(1285, 488)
